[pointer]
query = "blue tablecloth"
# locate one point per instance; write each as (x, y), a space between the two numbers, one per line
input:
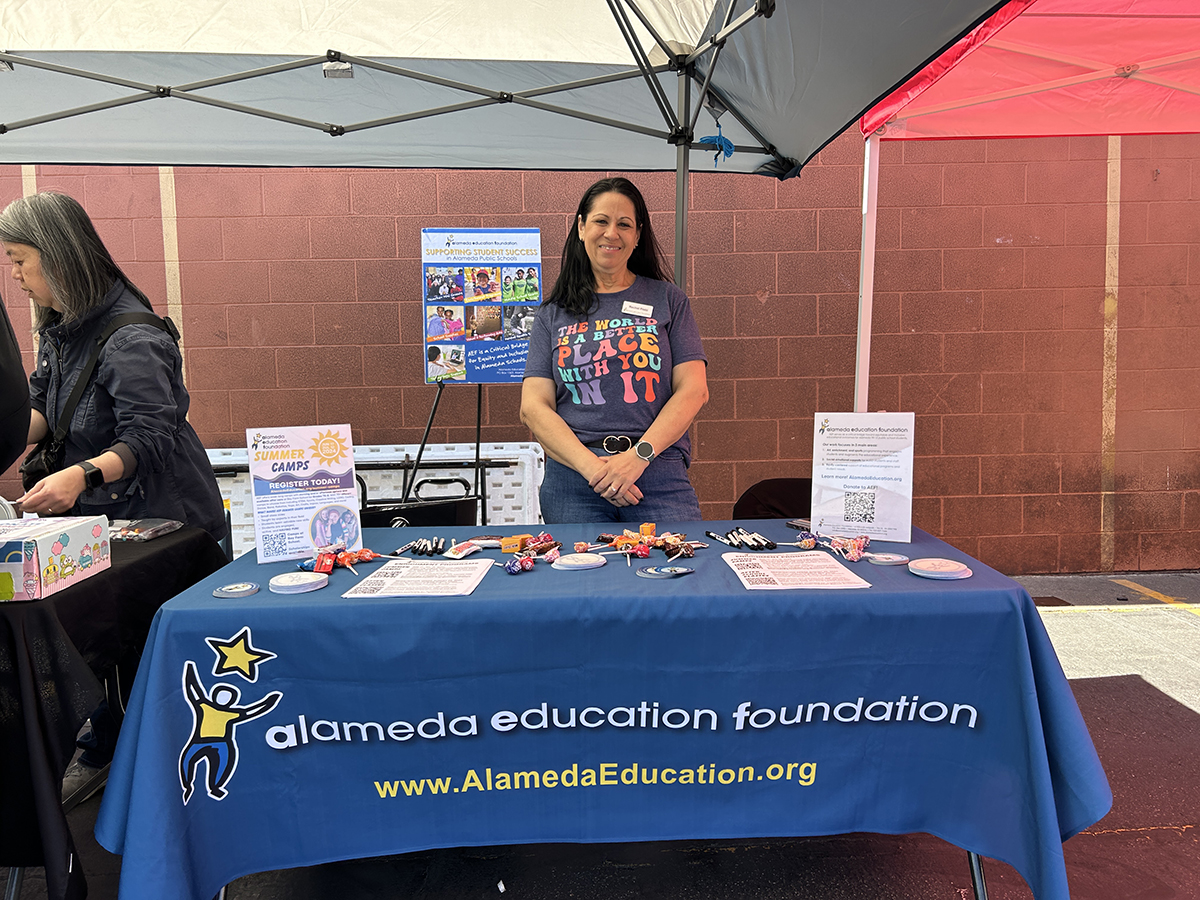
(594, 706)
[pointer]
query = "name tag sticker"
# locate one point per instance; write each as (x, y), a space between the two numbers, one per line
(637, 309)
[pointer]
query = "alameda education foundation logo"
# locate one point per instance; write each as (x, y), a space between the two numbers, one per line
(218, 711)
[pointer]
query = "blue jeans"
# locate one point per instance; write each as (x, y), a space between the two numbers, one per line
(667, 495)
(99, 743)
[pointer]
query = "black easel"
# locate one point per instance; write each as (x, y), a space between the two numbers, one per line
(437, 398)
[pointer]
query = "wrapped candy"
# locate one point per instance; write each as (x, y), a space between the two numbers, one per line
(513, 566)
(552, 555)
(685, 550)
(806, 540)
(641, 551)
(582, 546)
(459, 551)
(541, 543)
(850, 548)
(526, 563)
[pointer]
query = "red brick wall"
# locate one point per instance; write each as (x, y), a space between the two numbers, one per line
(300, 287)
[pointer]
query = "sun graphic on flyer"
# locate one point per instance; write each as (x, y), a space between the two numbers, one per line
(329, 447)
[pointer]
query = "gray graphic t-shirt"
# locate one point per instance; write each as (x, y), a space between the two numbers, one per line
(612, 370)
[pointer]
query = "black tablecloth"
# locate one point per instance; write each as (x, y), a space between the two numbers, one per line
(53, 655)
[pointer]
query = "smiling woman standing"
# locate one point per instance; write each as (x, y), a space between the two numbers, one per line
(615, 373)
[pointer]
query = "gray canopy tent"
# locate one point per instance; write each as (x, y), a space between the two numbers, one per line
(509, 84)
(513, 84)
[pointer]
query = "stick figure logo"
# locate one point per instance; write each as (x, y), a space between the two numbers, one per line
(216, 714)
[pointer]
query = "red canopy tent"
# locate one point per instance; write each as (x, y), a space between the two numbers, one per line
(1040, 68)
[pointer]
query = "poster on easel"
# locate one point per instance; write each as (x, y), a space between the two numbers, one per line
(863, 475)
(303, 489)
(481, 290)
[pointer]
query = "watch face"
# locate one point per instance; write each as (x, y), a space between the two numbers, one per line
(645, 450)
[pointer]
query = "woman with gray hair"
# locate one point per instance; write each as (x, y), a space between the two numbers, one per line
(129, 450)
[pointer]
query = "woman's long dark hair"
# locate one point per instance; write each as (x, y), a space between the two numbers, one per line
(575, 288)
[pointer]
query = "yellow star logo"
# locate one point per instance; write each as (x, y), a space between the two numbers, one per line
(238, 654)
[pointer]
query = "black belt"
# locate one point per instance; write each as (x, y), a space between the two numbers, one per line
(613, 443)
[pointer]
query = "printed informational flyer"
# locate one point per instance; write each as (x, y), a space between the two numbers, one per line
(482, 288)
(863, 475)
(423, 578)
(812, 569)
(304, 491)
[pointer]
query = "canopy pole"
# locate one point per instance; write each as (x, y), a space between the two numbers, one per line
(866, 271)
(681, 180)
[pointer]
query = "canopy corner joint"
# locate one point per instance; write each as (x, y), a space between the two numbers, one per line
(680, 136)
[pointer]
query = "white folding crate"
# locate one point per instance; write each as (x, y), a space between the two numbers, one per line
(512, 491)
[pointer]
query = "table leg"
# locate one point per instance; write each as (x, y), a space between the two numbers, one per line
(16, 875)
(978, 885)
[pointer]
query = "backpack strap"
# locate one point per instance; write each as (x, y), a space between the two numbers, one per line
(85, 376)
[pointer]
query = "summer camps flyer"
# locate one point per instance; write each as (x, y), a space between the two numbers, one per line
(482, 288)
(304, 491)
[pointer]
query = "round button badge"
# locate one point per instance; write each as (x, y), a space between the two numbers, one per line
(237, 589)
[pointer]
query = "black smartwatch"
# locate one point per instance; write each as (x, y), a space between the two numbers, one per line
(645, 451)
(92, 476)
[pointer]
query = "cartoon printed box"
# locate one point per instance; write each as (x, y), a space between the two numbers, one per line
(40, 557)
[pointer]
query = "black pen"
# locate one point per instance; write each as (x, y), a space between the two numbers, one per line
(717, 537)
(747, 538)
(405, 548)
(756, 540)
(767, 542)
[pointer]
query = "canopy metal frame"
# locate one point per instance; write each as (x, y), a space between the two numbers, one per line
(679, 119)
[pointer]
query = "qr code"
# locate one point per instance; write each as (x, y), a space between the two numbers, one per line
(860, 506)
(274, 544)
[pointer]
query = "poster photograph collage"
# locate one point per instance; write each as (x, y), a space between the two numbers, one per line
(464, 304)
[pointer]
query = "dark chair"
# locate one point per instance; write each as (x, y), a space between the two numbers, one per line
(422, 513)
(776, 498)
(227, 541)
